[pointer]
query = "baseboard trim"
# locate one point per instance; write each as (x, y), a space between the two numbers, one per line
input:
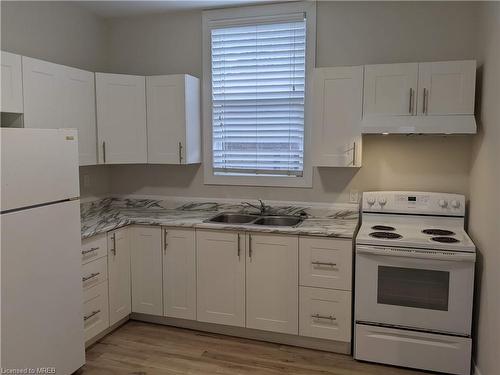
(248, 333)
(108, 330)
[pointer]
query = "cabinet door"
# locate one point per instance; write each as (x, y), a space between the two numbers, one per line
(146, 270)
(166, 119)
(272, 283)
(121, 118)
(79, 111)
(119, 275)
(12, 84)
(390, 89)
(179, 273)
(43, 94)
(446, 88)
(221, 277)
(338, 103)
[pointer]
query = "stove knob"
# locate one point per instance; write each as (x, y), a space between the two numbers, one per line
(442, 203)
(455, 204)
(370, 201)
(382, 201)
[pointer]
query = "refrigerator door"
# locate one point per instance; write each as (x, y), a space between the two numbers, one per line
(41, 288)
(38, 166)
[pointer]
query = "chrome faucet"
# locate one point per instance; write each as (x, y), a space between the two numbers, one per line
(261, 207)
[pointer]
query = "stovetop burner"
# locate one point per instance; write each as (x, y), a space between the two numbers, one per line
(445, 239)
(386, 235)
(383, 227)
(438, 232)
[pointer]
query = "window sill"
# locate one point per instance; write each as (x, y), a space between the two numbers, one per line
(265, 181)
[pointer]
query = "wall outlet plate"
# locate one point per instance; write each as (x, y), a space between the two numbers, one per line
(86, 180)
(354, 196)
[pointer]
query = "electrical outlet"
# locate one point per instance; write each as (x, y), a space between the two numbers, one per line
(86, 180)
(353, 196)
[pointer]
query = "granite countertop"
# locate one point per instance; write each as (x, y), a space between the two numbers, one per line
(325, 220)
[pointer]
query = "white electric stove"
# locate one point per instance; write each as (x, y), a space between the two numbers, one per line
(414, 281)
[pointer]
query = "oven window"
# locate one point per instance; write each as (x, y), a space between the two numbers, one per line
(412, 287)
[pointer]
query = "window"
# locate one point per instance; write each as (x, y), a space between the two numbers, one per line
(255, 110)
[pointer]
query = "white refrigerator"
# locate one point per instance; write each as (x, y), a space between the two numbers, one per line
(41, 286)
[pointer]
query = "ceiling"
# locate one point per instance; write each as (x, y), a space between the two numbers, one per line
(119, 8)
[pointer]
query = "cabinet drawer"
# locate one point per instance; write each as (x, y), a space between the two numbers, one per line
(94, 272)
(95, 310)
(325, 314)
(325, 263)
(94, 248)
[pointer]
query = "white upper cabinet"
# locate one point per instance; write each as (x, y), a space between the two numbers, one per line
(272, 283)
(338, 103)
(11, 99)
(43, 84)
(146, 270)
(433, 98)
(79, 111)
(121, 118)
(173, 119)
(390, 89)
(446, 88)
(58, 96)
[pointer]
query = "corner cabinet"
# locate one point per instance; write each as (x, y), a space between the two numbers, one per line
(121, 118)
(173, 119)
(337, 113)
(12, 83)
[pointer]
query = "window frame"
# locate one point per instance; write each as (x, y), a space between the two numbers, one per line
(246, 14)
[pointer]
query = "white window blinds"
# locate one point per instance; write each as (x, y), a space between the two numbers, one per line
(258, 82)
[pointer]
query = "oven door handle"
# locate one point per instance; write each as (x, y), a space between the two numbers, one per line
(417, 253)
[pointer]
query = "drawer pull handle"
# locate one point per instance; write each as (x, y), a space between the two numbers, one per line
(92, 275)
(324, 264)
(329, 317)
(92, 249)
(93, 313)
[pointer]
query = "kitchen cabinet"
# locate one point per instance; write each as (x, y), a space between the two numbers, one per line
(337, 114)
(58, 96)
(146, 270)
(173, 119)
(446, 88)
(95, 310)
(119, 275)
(221, 277)
(179, 273)
(121, 118)
(12, 84)
(272, 283)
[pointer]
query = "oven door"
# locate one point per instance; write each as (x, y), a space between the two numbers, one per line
(430, 290)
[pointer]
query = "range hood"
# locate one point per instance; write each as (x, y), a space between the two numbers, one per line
(445, 124)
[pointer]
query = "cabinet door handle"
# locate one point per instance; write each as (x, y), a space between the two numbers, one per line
(425, 108)
(330, 264)
(180, 153)
(113, 238)
(92, 249)
(91, 276)
(93, 313)
(239, 246)
(250, 246)
(410, 108)
(329, 317)
(165, 243)
(354, 154)
(104, 152)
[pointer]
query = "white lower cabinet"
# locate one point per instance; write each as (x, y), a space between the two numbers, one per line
(146, 269)
(272, 282)
(325, 313)
(179, 273)
(220, 277)
(120, 305)
(95, 310)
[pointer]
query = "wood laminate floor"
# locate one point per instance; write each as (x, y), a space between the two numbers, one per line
(142, 348)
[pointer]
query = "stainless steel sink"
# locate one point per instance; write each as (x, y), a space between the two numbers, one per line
(232, 218)
(281, 221)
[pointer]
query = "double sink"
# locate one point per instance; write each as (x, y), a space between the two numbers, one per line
(247, 219)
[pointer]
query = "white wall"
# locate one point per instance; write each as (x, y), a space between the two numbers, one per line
(348, 33)
(485, 189)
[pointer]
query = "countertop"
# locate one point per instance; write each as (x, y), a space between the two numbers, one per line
(326, 220)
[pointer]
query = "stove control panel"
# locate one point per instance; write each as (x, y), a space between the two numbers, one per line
(413, 202)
